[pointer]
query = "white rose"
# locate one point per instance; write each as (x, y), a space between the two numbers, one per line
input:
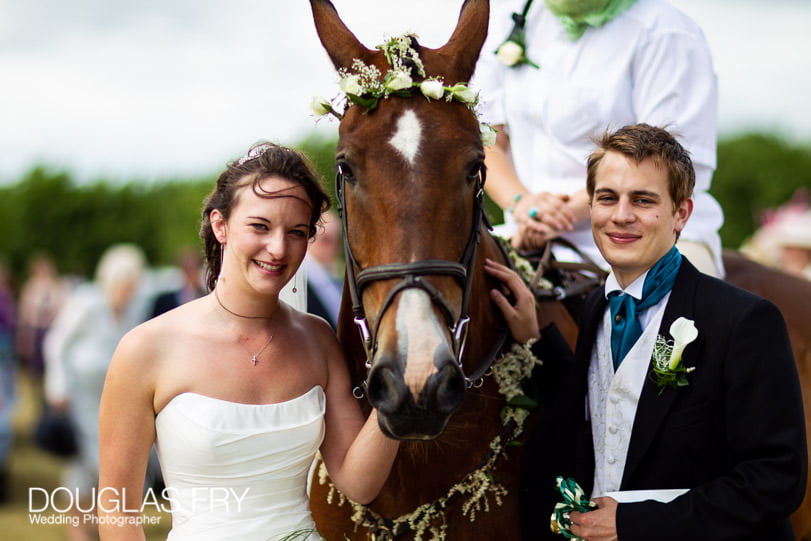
(351, 85)
(433, 88)
(399, 80)
(464, 94)
(510, 53)
(488, 134)
(320, 106)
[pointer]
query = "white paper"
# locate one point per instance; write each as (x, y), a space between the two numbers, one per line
(630, 496)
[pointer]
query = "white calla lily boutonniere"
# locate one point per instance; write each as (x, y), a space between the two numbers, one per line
(668, 368)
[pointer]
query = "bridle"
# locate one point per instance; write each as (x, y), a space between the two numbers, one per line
(411, 277)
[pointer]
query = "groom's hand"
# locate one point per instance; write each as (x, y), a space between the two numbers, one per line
(597, 525)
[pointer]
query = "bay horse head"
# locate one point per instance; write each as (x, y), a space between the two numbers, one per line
(410, 184)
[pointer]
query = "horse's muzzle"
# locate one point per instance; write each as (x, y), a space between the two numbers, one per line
(404, 417)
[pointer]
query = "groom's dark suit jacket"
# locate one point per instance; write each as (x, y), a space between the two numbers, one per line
(735, 435)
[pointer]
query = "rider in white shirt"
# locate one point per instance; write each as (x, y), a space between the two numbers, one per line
(649, 64)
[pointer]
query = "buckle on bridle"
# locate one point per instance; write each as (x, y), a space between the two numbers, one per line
(460, 337)
(366, 338)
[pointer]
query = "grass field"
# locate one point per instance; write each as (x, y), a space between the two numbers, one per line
(30, 467)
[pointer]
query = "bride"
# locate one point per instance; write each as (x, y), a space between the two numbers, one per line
(237, 389)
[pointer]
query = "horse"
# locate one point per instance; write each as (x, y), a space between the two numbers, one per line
(410, 190)
(417, 325)
(792, 295)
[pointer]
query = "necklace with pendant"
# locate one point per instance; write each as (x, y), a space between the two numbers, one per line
(254, 356)
(243, 339)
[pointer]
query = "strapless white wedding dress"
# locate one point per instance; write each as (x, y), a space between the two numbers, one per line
(239, 471)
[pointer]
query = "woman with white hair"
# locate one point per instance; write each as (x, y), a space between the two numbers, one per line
(78, 349)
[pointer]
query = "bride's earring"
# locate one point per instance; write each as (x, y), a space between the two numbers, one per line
(222, 259)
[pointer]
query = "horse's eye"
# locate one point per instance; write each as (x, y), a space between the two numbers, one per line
(474, 171)
(345, 171)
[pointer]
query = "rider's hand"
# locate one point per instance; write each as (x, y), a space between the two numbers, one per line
(540, 217)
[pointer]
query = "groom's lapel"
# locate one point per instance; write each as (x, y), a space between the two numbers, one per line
(593, 312)
(653, 405)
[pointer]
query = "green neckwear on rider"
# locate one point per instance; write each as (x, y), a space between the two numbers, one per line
(577, 15)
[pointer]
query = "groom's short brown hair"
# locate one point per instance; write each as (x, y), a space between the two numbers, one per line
(639, 142)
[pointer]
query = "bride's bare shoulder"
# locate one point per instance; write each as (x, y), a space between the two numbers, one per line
(314, 326)
(153, 339)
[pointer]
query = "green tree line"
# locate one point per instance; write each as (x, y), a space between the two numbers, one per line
(46, 210)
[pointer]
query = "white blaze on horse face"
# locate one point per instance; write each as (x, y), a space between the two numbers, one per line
(407, 135)
(419, 336)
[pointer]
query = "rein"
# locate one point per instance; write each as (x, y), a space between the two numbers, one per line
(586, 275)
(411, 277)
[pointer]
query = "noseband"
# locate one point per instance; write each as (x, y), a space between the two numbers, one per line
(411, 277)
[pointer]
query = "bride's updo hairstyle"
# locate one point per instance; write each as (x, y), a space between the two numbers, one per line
(263, 160)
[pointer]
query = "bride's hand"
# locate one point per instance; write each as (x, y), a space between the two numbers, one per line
(520, 315)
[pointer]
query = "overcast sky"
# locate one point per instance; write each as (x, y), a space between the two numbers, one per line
(158, 89)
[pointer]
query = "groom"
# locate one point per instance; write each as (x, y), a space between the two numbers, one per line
(727, 447)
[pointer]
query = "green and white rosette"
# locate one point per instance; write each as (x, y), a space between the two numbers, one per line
(574, 499)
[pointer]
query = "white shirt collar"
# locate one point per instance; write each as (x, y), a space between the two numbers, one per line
(634, 289)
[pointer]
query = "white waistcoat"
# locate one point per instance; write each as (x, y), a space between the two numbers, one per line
(613, 397)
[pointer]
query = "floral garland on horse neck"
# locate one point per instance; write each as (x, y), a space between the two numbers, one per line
(510, 372)
(364, 85)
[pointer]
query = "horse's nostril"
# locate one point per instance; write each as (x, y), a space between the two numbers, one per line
(386, 391)
(445, 390)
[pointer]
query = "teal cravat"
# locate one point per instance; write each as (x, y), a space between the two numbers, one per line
(625, 327)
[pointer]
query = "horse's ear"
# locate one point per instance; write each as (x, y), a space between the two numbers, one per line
(464, 46)
(340, 43)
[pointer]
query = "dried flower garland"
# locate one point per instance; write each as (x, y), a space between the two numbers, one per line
(479, 486)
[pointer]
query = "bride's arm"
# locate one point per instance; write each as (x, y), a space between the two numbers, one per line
(126, 434)
(357, 454)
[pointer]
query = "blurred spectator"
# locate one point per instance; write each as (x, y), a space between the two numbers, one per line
(322, 261)
(78, 348)
(41, 296)
(191, 267)
(8, 379)
(784, 239)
